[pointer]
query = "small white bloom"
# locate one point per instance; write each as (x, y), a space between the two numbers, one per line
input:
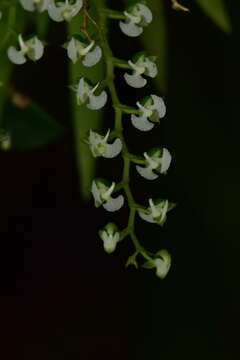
(89, 54)
(152, 110)
(64, 10)
(162, 263)
(102, 195)
(32, 5)
(156, 212)
(110, 237)
(142, 65)
(158, 160)
(100, 147)
(137, 17)
(85, 92)
(32, 48)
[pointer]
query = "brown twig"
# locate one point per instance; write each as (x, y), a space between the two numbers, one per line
(84, 28)
(179, 7)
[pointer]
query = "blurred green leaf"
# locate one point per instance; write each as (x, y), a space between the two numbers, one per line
(154, 40)
(83, 118)
(29, 128)
(216, 11)
(42, 24)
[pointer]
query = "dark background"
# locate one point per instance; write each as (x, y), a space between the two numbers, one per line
(62, 297)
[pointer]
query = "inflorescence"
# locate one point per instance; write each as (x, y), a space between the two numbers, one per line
(144, 117)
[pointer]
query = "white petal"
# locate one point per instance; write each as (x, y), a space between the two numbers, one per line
(151, 68)
(112, 150)
(97, 102)
(43, 5)
(146, 217)
(146, 172)
(114, 204)
(77, 7)
(55, 12)
(166, 160)
(109, 245)
(130, 29)
(36, 49)
(96, 192)
(141, 123)
(82, 93)
(158, 105)
(72, 50)
(93, 57)
(145, 12)
(28, 5)
(16, 56)
(136, 81)
(164, 212)
(162, 266)
(92, 138)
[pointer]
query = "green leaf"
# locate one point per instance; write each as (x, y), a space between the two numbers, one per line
(216, 11)
(42, 24)
(155, 42)
(83, 118)
(30, 127)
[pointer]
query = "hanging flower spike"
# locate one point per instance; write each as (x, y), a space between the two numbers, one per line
(102, 191)
(85, 92)
(140, 65)
(32, 48)
(162, 263)
(99, 146)
(32, 5)
(158, 160)
(79, 50)
(110, 237)
(137, 17)
(152, 110)
(63, 10)
(156, 212)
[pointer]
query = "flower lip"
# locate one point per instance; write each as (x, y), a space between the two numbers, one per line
(136, 17)
(60, 11)
(32, 48)
(102, 192)
(100, 147)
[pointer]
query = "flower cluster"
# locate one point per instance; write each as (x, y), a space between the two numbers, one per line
(111, 143)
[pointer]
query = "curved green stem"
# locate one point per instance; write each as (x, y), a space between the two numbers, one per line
(119, 109)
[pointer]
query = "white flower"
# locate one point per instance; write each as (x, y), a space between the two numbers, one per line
(64, 10)
(102, 195)
(137, 17)
(99, 146)
(85, 92)
(32, 48)
(110, 237)
(141, 65)
(158, 160)
(32, 5)
(162, 263)
(152, 110)
(156, 212)
(79, 50)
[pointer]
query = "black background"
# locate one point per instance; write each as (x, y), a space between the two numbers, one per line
(62, 297)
